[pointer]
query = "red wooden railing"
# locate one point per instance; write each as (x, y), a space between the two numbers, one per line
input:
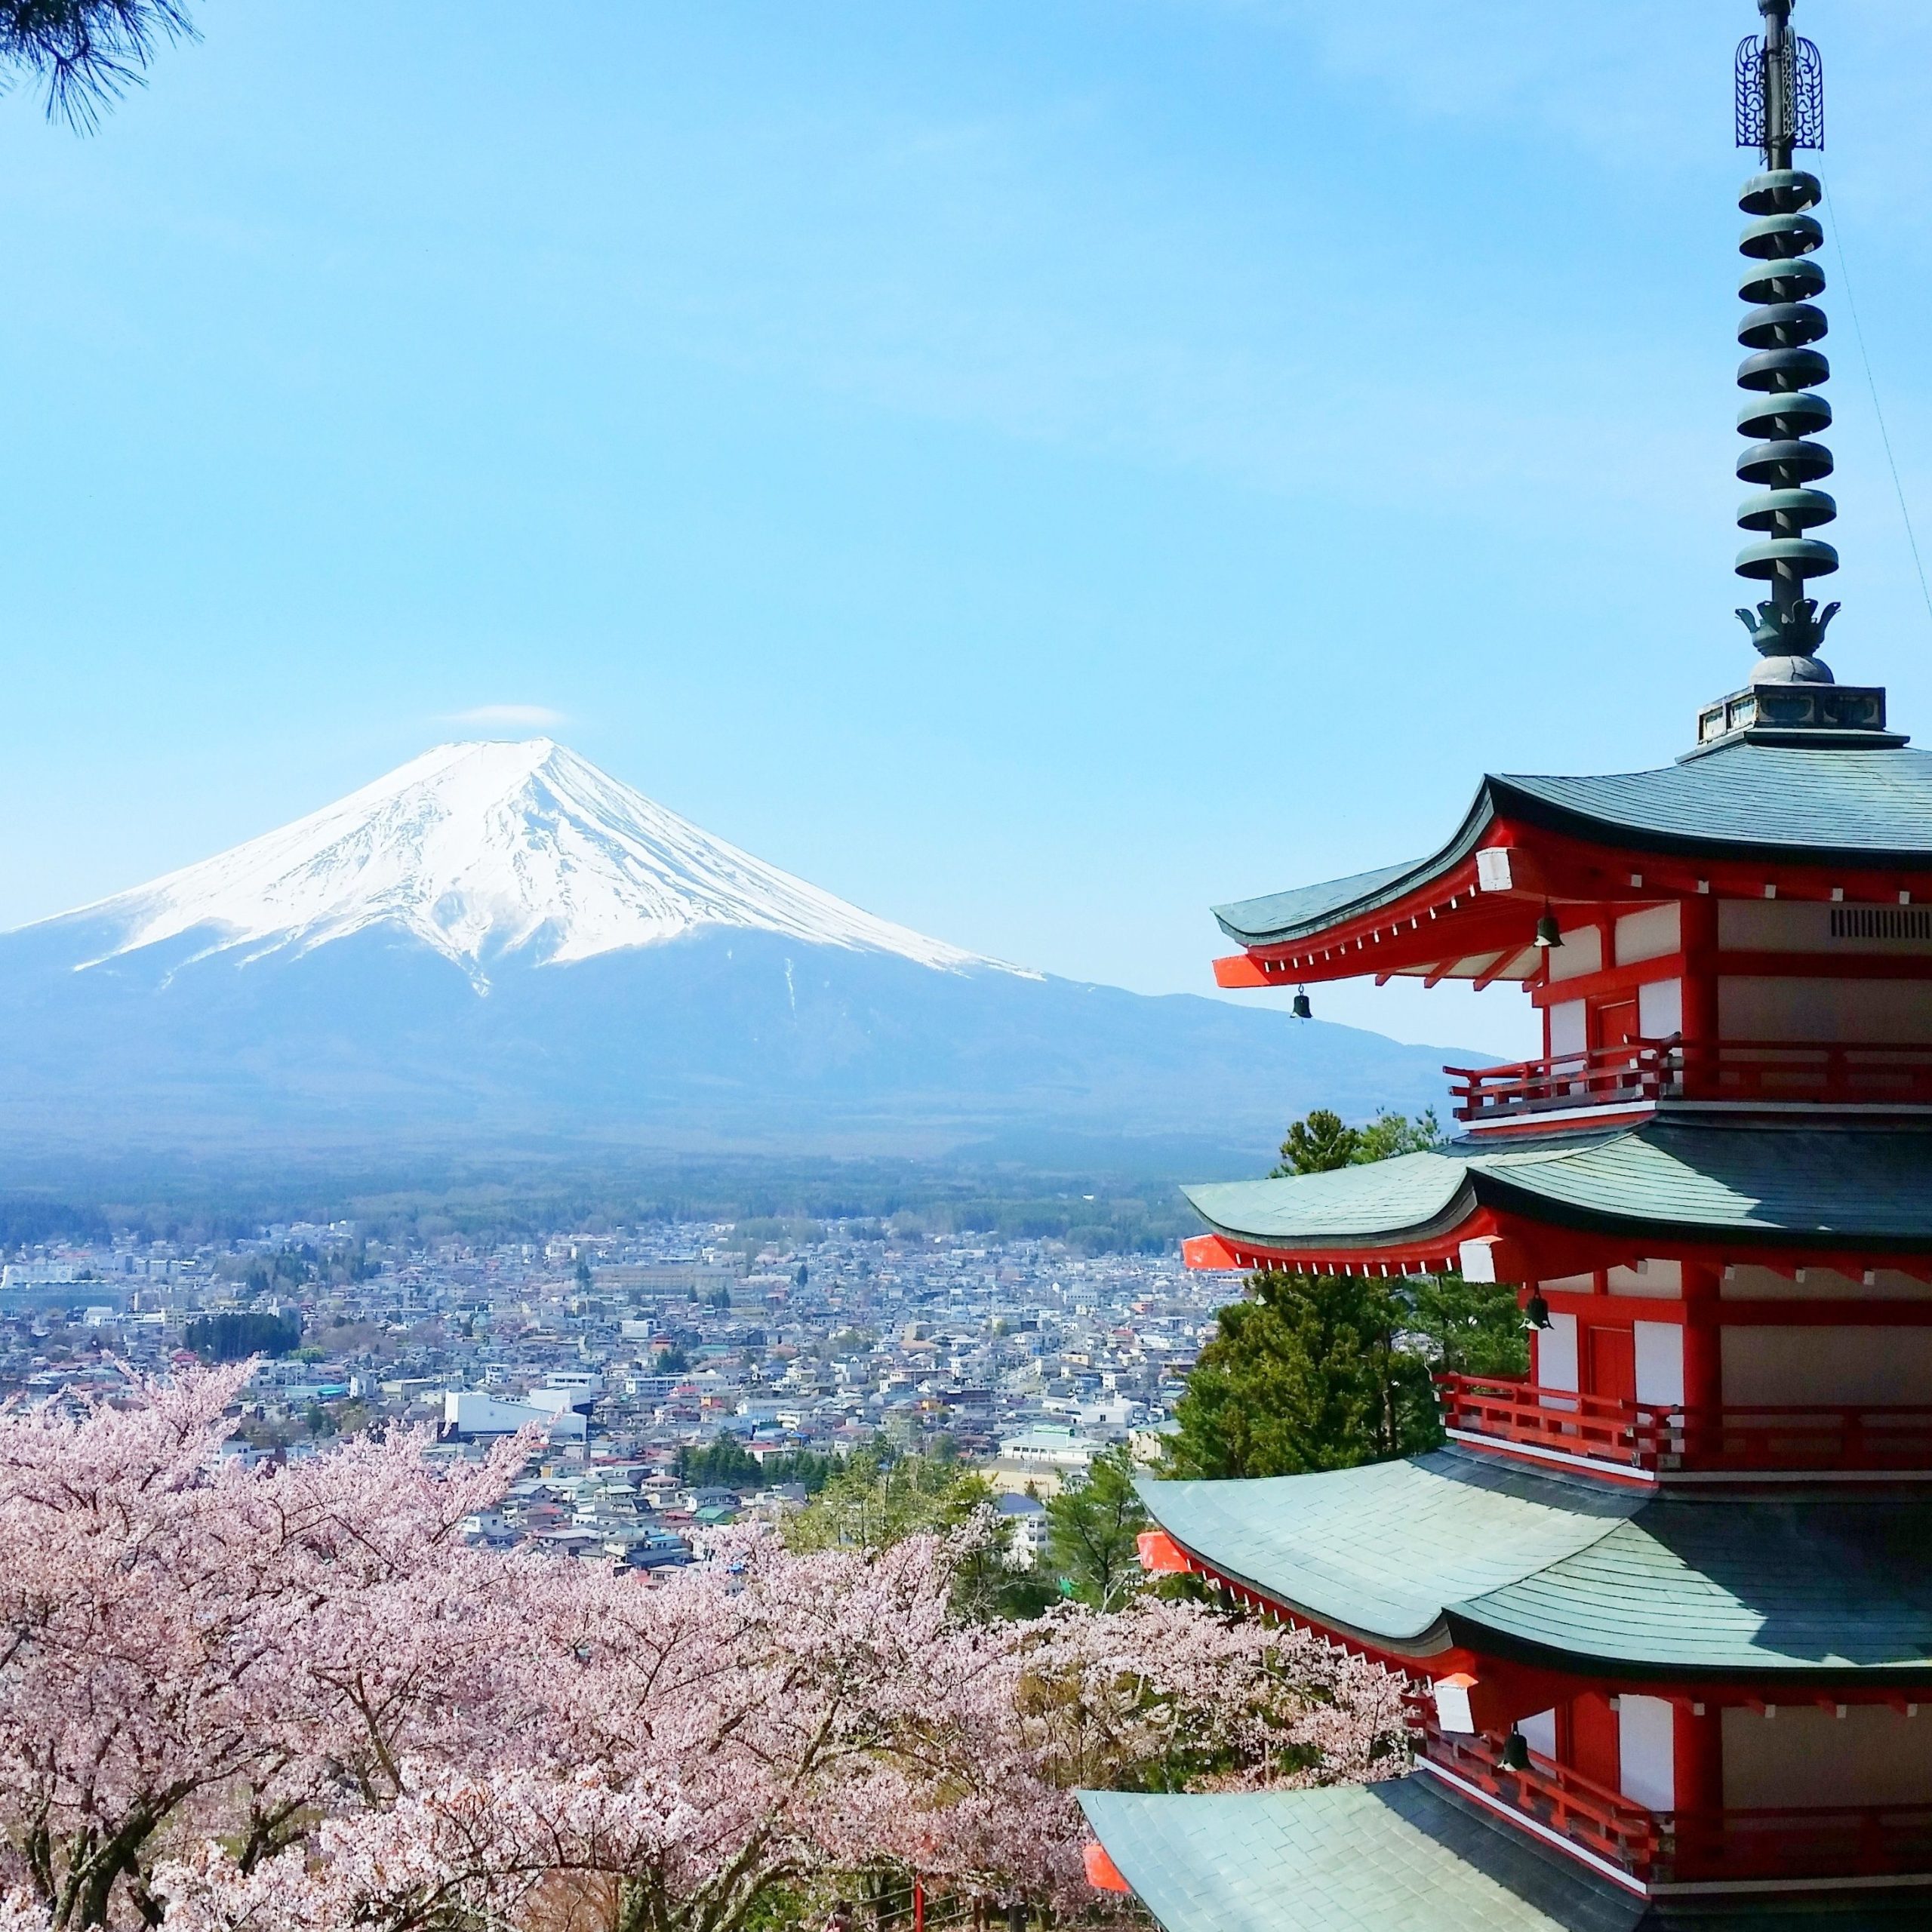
(1643, 1071)
(1635, 1434)
(1557, 1798)
(1876, 1840)
(1800, 1070)
(1637, 1072)
(1652, 1437)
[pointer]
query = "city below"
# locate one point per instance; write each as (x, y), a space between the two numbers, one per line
(627, 1352)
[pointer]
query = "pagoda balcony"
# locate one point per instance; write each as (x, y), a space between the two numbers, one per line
(1742, 1847)
(1641, 1073)
(1659, 1439)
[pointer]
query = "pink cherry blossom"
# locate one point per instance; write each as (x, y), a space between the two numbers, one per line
(293, 1701)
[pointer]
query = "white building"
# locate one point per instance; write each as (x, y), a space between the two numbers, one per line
(470, 1413)
(1024, 1518)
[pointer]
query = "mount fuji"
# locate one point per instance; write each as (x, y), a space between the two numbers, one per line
(498, 944)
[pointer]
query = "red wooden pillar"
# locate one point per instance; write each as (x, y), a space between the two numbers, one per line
(1698, 1738)
(1700, 916)
(1703, 1349)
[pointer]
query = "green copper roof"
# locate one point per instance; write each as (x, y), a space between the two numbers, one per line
(1401, 1856)
(1439, 1550)
(1774, 798)
(1794, 804)
(1818, 1185)
(1390, 1857)
(1380, 1550)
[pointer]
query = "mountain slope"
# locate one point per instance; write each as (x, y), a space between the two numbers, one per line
(483, 849)
(498, 945)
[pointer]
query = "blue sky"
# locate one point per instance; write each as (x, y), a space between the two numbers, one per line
(1033, 468)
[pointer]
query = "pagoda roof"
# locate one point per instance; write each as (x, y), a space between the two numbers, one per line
(1433, 1552)
(1790, 805)
(1770, 1184)
(1400, 1855)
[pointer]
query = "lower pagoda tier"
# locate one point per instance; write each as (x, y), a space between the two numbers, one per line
(1436, 1561)
(1714, 1301)
(1407, 1855)
(1718, 1191)
(1681, 1691)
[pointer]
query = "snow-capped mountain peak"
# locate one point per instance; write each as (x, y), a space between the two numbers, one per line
(481, 850)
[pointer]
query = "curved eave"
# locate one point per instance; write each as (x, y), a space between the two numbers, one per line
(1717, 817)
(1662, 1185)
(1393, 1647)
(1410, 1242)
(1443, 1553)
(1334, 904)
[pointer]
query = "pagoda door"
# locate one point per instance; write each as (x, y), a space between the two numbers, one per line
(1613, 1363)
(1593, 1749)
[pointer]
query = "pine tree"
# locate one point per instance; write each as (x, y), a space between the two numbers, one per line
(1093, 1528)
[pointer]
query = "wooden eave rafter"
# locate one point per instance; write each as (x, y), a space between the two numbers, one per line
(1450, 927)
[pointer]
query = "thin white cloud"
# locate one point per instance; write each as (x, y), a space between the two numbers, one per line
(517, 716)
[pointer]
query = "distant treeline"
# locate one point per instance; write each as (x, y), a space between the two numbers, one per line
(234, 1336)
(1094, 1211)
(27, 1220)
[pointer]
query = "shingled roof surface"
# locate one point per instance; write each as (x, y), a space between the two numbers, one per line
(1765, 1182)
(1417, 1555)
(1787, 803)
(1398, 1857)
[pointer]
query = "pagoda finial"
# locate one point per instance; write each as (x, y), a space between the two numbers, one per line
(1781, 108)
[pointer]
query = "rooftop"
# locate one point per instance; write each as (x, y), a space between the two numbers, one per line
(1419, 1556)
(1825, 1186)
(1790, 805)
(1397, 1856)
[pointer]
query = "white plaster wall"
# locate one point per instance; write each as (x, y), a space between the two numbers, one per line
(1659, 1279)
(1786, 925)
(1646, 1752)
(1653, 933)
(1556, 1353)
(1660, 1009)
(1568, 1033)
(1872, 1010)
(1798, 1366)
(1540, 1733)
(1581, 952)
(1871, 1755)
(1659, 1361)
(1744, 1283)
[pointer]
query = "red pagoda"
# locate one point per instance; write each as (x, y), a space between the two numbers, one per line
(1666, 1605)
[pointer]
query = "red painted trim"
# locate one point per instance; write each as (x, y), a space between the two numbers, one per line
(1210, 1253)
(1602, 1307)
(1534, 1251)
(1820, 966)
(1241, 969)
(1513, 1126)
(1611, 980)
(1159, 1555)
(1423, 929)
(1741, 1313)
(1824, 1314)
(1518, 1458)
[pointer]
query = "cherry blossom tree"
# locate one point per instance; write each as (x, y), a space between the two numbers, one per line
(292, 1701)
(188, 1644)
